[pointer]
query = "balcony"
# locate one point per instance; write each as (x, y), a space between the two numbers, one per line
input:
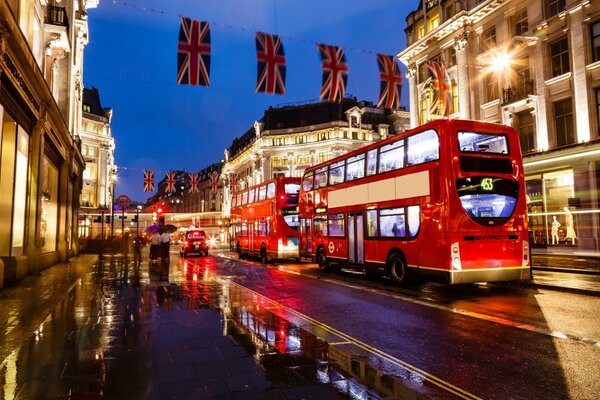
(57, 16)
(518, 92)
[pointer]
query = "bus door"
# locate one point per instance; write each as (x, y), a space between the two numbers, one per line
(253, 226)
(305, 237)
(356, 243)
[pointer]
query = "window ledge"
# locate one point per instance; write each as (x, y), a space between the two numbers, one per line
(559, 78)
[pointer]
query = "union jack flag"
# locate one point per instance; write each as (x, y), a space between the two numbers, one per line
(213, 181)
(232, 182)
(271, 64)
(391, 82)
(193, 53)
(441, 87)
(148, 180)
(193, 182)
(170, 182)
(335, 72)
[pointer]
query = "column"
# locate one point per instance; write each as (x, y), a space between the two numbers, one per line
(541, 120)
(580, 88)
(411, 74)
(291, 165)
(463, 78)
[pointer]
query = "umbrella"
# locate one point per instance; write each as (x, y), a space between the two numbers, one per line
(152, 228)
(170, 228)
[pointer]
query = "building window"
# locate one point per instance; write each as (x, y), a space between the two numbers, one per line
(20, 194)
(454, 98)
(559, 53)
(519, 23)
(87, 108)
(490, 82)
(596, 41)
(450, 11)
(278, 141)
(525, 127)
(49, 205)
(554, 7)
(563, 116)
(433, 22)
(451, 57)
(423, 110)
(322, 156)
(420, 31)
(488, 39)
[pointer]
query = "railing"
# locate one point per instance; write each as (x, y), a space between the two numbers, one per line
(57, 16)
(518, 92)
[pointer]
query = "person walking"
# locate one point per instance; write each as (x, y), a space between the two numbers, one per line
(165, 244)
(154, 246)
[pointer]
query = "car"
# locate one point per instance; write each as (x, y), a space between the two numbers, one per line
(194, 242)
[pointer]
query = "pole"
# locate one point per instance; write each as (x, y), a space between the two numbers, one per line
(112, 221)
(102, 226)
(137, 229)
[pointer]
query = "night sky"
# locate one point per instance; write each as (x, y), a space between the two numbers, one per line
(132, 59)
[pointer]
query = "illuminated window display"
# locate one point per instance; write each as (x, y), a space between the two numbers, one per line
(49, 205)
(20, 192)
(551, 217)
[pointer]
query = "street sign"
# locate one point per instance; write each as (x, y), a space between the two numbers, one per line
(123, 200)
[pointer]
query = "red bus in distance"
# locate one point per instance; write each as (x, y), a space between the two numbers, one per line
(444, 202)
(265, 219)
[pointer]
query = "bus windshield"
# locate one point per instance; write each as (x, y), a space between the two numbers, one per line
(292, 188)
(474, 142)
(290, 216)
(488, 201)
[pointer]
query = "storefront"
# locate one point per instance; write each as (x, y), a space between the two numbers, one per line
(562, 198)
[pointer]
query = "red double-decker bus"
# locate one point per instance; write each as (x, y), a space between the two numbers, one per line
(265, 219)
(444, 201)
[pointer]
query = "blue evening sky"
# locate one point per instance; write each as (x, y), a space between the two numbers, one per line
(132, 59)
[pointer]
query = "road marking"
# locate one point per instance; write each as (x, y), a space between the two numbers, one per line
(442, 384)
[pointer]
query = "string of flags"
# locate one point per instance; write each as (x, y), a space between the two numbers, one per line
(193, 179)
(194, 56)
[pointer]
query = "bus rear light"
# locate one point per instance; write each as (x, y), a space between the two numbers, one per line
(455, 256)
(525, 258)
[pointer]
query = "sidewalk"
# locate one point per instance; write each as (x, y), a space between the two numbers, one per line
(124, 331)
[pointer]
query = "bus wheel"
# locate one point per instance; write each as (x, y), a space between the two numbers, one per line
(397, 268)
(322, 261)
(263, 255)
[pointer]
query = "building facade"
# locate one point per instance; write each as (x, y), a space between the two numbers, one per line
(41, 166)
(536, 67)
(98, 150)
(290, 138)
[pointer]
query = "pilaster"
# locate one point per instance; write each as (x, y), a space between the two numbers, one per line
(580, 87)
(463, 76)
(411, 74)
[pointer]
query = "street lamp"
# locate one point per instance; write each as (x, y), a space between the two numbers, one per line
(139, 208)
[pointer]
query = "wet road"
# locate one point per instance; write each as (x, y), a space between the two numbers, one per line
(213, 327)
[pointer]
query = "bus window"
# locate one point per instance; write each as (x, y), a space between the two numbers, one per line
(320, 225)
(355, 168)
(423, 147)
(245, 198)
(391, 156)
(392, 222)
(262, 228)
(271, 190)
(292, 189)
(244, 230)
(307, 182)
(336, 173)
(290, 216)
(372, 223)
(262, 193)
(335, 225)
(321, 178)
(474, 142)
(372, 162)
(251, 196)
(414, 220)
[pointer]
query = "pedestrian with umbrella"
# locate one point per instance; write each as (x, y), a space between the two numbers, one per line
(165, 244)
(154, 241)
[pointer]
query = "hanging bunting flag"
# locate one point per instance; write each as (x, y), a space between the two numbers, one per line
(213, 181)
(193, 53)
(391, 82)
(193, 182)
(148, 180)
(170, 182)
(232, 183)
(335, 72)
(271, 64)
(440, 87)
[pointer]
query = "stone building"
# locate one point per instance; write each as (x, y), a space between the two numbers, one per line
(292, 137)
(98, 150)
(41, 166)
(536, 67)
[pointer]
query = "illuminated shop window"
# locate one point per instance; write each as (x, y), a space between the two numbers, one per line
(49, 205)
(20, 193)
